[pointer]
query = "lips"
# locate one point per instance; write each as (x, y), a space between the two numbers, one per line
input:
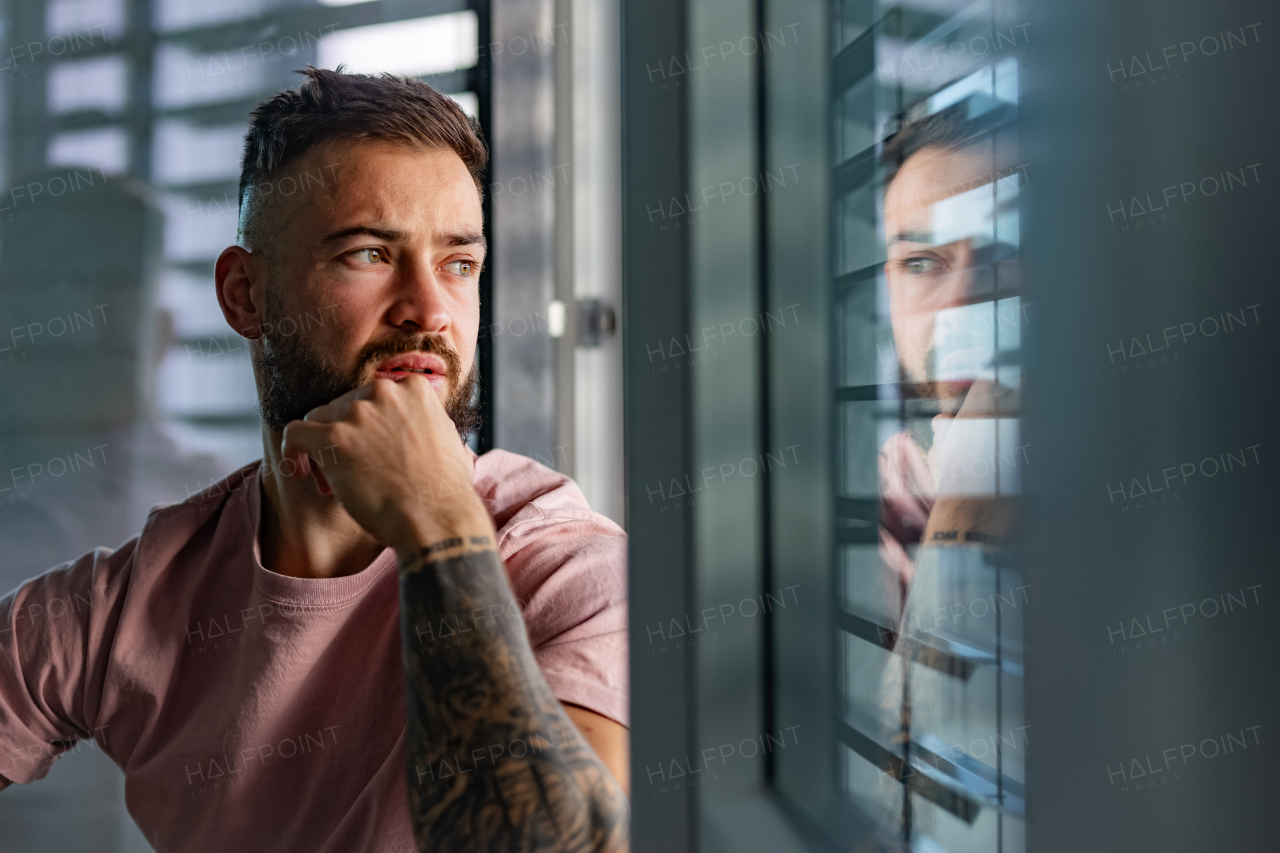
(401, 366)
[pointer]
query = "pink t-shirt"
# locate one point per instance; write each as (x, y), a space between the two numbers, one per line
(254, 711)
(907, 495)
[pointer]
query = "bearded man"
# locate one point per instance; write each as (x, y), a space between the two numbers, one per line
(244, 659)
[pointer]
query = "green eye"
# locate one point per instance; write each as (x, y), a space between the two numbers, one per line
(921, 265)
(460, 267)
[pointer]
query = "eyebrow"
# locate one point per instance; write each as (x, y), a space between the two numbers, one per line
(466, 239)
(390, 235)
(923, 237)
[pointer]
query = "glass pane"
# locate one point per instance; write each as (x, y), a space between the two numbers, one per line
(926, 217)
(86, 21)
(105, 150)
(88, 84)
(121, 384)
(422, 46)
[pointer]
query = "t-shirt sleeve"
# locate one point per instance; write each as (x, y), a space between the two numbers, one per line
(55, 641)
(569, 573)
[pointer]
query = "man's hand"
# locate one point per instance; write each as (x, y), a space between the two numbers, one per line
(392, 457)
(966, 460)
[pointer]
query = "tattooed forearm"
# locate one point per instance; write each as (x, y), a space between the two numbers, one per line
(435, 552)
(494, 762)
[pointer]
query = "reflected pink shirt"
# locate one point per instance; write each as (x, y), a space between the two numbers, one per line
(907, 495)
(254, 711)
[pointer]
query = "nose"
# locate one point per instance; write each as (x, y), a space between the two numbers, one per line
(966, 278)
(420, 304)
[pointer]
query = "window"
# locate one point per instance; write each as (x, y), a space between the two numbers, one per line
(170, 105)
(926, 329)
(156, 97)
(839, 373)
(202, 78)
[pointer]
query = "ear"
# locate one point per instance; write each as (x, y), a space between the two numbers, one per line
(235, 276)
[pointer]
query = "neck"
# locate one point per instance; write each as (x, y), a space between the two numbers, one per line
(305, 534)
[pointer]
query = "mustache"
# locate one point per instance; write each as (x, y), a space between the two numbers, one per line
(402, 344)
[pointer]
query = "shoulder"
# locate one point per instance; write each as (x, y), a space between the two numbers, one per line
(568, 569)
(170, 526)
(517, 489)
(545, 527)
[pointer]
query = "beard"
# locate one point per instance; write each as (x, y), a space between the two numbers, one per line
(922, 384)
(924, 396)
(294, 378)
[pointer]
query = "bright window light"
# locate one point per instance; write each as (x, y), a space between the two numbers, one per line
(92, 21)
(183, 78)
(421, 46)
(181, 14)
(468, 101)
(106, 148)
(87, 84)
(186, 153)
(979, 82)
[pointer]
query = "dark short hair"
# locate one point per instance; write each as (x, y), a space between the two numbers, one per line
(948, 129)
(333, 105)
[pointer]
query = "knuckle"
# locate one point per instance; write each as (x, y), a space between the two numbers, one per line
(314, 412)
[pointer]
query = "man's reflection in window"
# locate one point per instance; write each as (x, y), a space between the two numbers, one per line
(949, 476)
(81, 341)
(949, 219)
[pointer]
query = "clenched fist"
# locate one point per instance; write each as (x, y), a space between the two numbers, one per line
(969, 452)
(392, 457)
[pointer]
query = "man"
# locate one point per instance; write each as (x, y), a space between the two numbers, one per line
(949, 478)
(949, 240)
(242, 659)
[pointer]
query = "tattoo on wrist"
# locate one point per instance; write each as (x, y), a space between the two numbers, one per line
(445, 549)
(969, 536)
(493, 760)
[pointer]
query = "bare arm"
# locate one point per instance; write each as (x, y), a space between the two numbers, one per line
(495, 761)
(610, 739)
